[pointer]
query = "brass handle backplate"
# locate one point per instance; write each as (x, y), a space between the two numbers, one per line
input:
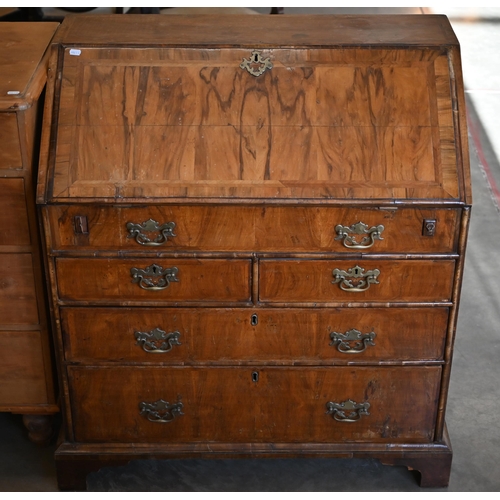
(161, 231)
(352, 341)
(157, 341)
(154, 277)
(348, 235)
(347, 411)
(355, 279)
(161, 412)
(256, 65)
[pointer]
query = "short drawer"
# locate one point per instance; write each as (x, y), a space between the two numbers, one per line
(246, 336)
(254, 404)
(10, 151)
(14, 229)
(154, 280)
(251, 228)
(327, 281)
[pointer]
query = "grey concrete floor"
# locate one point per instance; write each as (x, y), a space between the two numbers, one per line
(474, 398)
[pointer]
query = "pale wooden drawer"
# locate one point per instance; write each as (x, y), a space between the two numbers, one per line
(10, 151)
(252, 228)
(18, 303)
(325, 281)
(253, 404)
(14, 228)
(154, 280)
(243, 336)
(22, 370)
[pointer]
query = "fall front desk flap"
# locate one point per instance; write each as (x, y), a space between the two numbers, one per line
(246, 123)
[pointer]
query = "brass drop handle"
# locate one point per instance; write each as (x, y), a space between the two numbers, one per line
(347, 234)
(352, 341)
(140, 232)
(154, 277)
(157, 341)
(347, 411)
(355, 279)
(161, 412)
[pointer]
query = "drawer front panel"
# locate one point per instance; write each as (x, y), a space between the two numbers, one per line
(243, 336)
(253, 404)
(21, 368)
(14, 229)
(269, 229)
(355, 281)
(173, 280)
(10, 152)
(17, 290)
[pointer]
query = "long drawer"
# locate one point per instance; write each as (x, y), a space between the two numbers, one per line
(22, 369)
(18, 304)
(166, 280)
(251, 228)
(243, 336)
(323, 281)
(254, 404)
(14, 228)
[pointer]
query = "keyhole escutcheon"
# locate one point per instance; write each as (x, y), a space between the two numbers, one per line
(255, 376)
(255, 320)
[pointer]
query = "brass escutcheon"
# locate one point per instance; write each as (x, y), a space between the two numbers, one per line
(347, 411)
(256, 65)
(348, 235)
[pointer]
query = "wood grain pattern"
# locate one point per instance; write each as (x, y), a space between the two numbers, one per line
(10, 152)
(399, 281)
(262, 229)
(25, 358)
(361, 119)
(285, 405)
(281, 336)
(306, 128)
(22, 59)
(315, 30)
(109, 280)
(22, 371)
(14, 229)
(17, 290)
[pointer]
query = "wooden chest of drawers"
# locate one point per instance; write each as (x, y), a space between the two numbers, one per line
(26, 367)
(255, 237)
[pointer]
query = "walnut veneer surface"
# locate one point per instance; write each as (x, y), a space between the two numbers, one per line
(26, 368)
(260, 258)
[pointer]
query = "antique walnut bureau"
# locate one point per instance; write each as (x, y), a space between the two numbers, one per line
(255, 233)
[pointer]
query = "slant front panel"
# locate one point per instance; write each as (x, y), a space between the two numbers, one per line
(193, 122)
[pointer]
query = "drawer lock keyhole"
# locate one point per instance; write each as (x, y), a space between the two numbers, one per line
(255, 320)
(255, 376)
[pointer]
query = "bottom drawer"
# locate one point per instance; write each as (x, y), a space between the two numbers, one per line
(254, 404)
